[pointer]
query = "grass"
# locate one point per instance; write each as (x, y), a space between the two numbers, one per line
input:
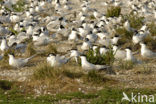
(152, 28)
(151, 43)
(113, 11)
(44, 71)
(126, 65)
(50, 48)
(107, 95)
(19, 6)
(5, 85)
(95, 77)
(12, 30)
(30, 50)
(145, 70)
(124, 33)
(136, 21)
(97, 58)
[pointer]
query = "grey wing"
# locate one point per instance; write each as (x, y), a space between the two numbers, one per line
(100, 67)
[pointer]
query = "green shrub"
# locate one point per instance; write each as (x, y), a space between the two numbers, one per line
(152, 28)
(135, 20)
(5, 85)
(106, 59)
(113, 11)
(125, 34)
(44, 71)
(19, 6)
(151, 43)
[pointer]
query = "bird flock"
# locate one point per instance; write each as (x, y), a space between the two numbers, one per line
(78, 22)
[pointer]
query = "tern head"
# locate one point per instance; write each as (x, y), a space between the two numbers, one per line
(24, 31)
(83, 57)
(116, 35)
(12, 34)
(11, 55)
(61, 18)
(14, 44)
(86, 39)
(73, 29)
(128, 49)
(62, 27)
(135, 32)
(143, 44)
(104, 47)
(92, 22)
(115, 47)
(51, 55)
(74, 49)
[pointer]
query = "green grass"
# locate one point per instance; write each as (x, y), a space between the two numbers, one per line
(135, 20)
(126, 65)
(152, 28)
(97, 58)
(16, 95)
(113, 11)
(95, 77)
(19, 6)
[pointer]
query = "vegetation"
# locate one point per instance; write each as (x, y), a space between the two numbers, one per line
(151, 43)
(97, 58)
(113, 11)
(17, 95)
(124, 33)
(30, 50)
(135, 21)
(126, 65)
(95, 77)
(19, 6)
(152, 28)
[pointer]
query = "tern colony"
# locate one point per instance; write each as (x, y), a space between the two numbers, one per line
(79, 28)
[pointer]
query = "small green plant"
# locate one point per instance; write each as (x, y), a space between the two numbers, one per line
(12, 30)
(113, 11)
(152, 28)
(134, 20)
(51, 49)
(19, 6)
(146, 70)
(125, 34)
(92, 17)
(97, 58)
(5, 85)
(94, 77)
(44, 71)
(151, 43)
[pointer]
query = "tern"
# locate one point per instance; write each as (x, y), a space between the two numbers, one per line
(129, 55)
(75, 54)
(20, 62)
(86, 44)
(4, 46)
(56, 61)
(89, 66)
(145, 52)
(119, 54)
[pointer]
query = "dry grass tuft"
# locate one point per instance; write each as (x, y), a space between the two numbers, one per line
(113, 11)
(126, 65)
(152, 28)
(30, 50)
